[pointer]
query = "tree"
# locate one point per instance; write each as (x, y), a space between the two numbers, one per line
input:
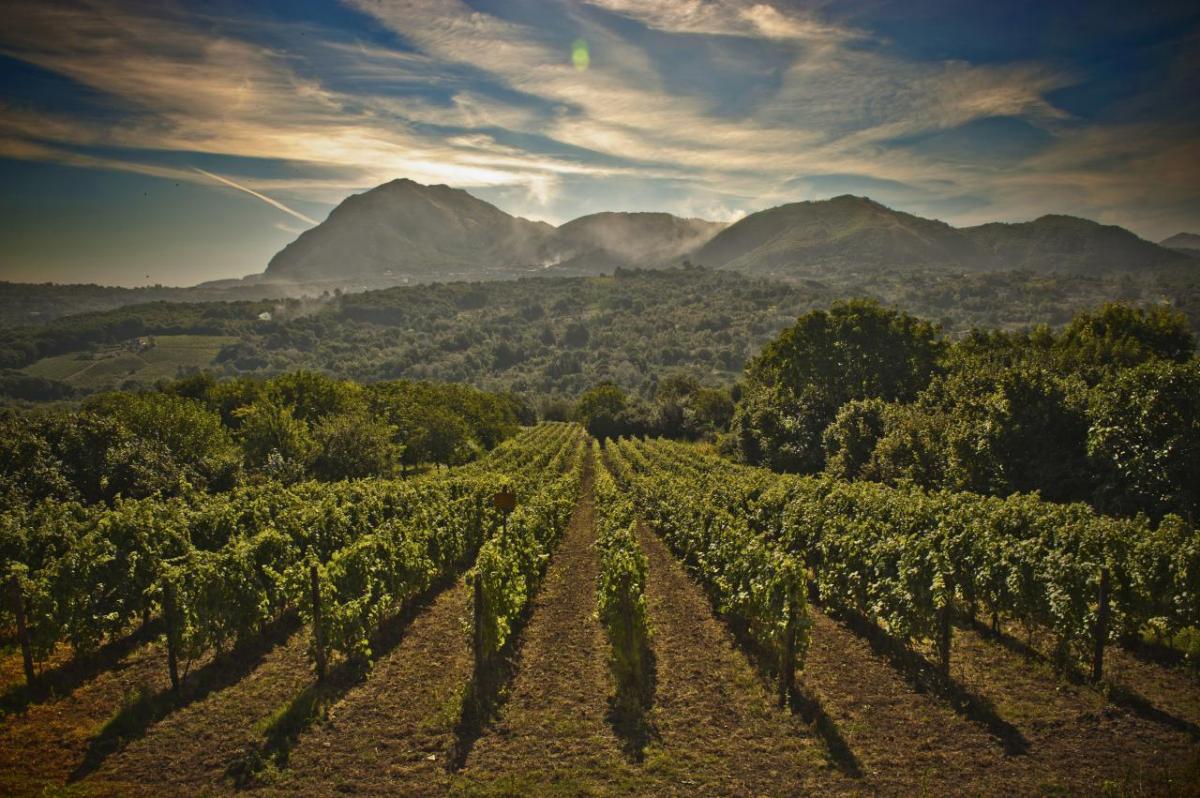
(855, 350)
(271, 434)
(1117, 336)
(601, 410)
(1144, 439)
(354, 445)
(181, 430)
(851, 439)
(433, 434)
(1016, 429)
(312, 395)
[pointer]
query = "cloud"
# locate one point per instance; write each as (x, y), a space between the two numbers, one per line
(480, 101)
(714, 17)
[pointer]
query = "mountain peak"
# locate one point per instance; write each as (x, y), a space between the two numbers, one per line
(405, 230)
(1186, 242)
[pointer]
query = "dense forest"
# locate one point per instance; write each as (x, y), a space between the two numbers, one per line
(549, 337)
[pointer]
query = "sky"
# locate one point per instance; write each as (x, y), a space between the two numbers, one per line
(177, 142)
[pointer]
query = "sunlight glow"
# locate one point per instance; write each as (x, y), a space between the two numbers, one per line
(580, 56)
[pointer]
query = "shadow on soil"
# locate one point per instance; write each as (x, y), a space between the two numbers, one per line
(62, 680)
(925, 677)
(485, 695)
(137, 716)
(1121, 695)
(801, 701)
(628, 712)
(312, 704)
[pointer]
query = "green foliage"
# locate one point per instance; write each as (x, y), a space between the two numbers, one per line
(1117, 336)
(220, 567)
(1076, 415)
(351, 446)
(272, 435)
(513, 560)
(901, 557)
(701, 512)
(620, 590)
(602, 410)
(1144, 439)
(850, 440)
(856, 350)
(182, 428)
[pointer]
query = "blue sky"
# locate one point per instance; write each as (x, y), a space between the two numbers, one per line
(179, 142)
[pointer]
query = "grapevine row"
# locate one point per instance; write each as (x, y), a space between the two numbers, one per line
(908, 559)
(620, 592)
(511, 563)
(755, 583)
(219, 568)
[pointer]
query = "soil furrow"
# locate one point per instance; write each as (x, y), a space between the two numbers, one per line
(553, 733)
(720, 731)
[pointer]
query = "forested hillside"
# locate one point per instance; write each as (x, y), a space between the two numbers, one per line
(542, 336)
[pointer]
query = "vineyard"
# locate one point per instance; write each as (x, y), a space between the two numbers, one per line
(565, 617)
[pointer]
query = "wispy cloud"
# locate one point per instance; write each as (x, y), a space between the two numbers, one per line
(725, 18)
(478, 100)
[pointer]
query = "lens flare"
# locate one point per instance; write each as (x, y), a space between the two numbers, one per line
(579, 54)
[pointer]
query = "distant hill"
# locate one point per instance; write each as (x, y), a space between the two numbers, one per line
(1065, 244)
(843, 233)
(1182, 242)
(413, 233)
(405, 232)
(855, 233)
(602, 242)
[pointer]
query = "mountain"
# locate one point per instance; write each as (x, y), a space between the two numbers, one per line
(845, 232)
(1065, 244)
(1188, 243)
(858, 234)
(408, 231)
(601, 242)
(405, 232)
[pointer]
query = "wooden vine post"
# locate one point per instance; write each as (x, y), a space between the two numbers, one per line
(18, 608)
(171, 618)
(787, 654)
(1101, 626)
(945, 630)
(477, 619)
(318, 632)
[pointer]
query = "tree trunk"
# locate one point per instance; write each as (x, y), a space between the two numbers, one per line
(787, 657)
(477, 609)
(945, 630)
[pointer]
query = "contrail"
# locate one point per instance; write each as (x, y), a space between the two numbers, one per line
(253, 193)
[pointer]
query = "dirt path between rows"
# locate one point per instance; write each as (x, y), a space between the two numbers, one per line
(189, 750)
(720, 731)
(391, 734)
(553, 734)
(44, 742)
(1028, 730)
